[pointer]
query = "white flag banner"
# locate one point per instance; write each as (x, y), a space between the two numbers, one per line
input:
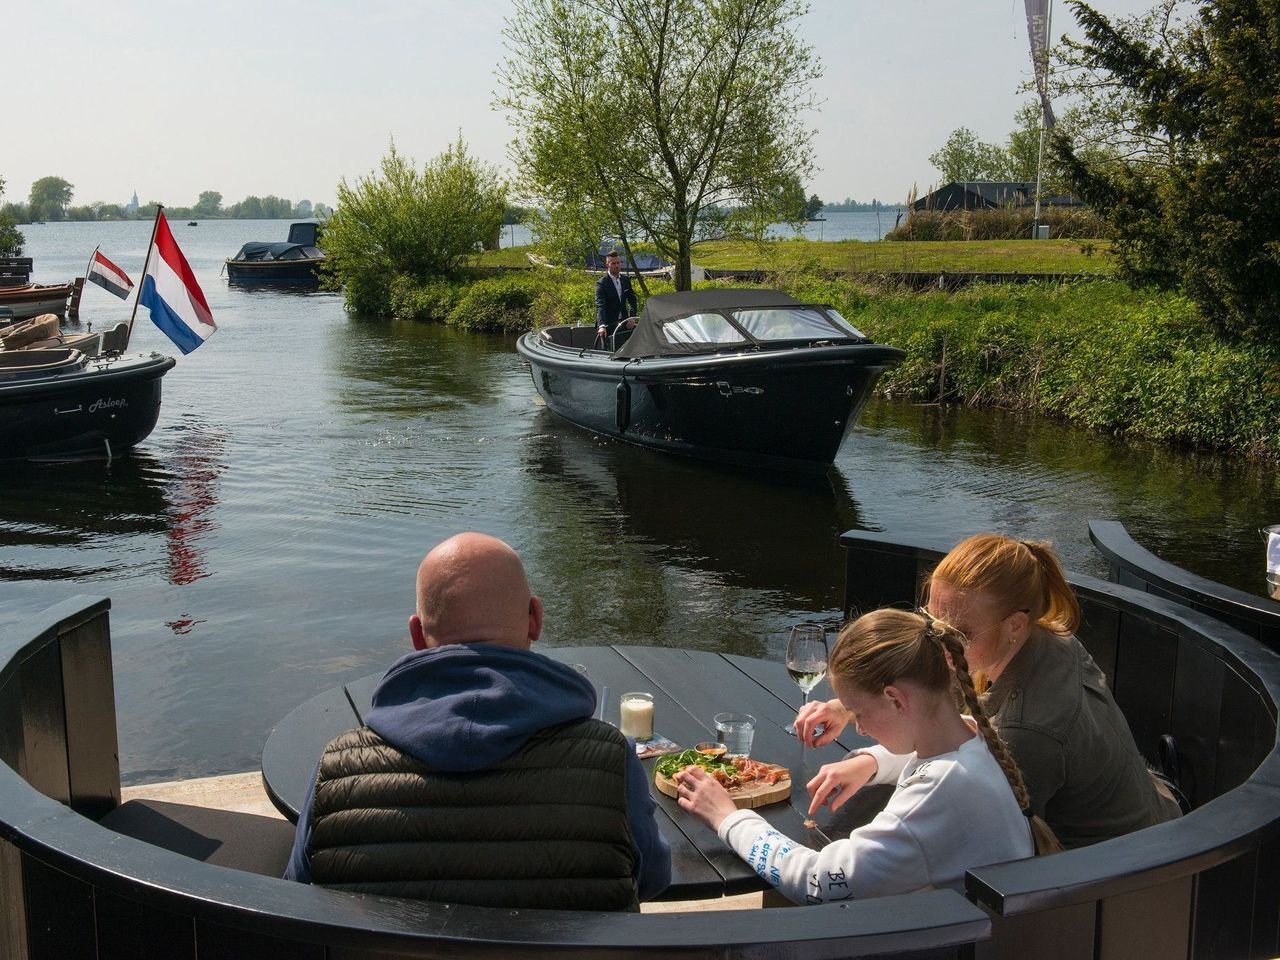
(1038, 34)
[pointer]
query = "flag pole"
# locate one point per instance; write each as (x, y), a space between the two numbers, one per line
(155, 225)
(89, 266)
(1044, 119)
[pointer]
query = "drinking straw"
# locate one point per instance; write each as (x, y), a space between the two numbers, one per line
(604, 699)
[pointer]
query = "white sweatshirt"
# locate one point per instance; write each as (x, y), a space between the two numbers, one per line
(948, 813)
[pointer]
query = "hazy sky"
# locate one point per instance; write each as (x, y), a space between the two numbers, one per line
(286, 97)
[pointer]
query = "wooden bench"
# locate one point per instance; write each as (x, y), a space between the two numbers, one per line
(1135, 566)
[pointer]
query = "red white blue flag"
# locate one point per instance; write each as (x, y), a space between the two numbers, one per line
(170, 292)
(108, 276)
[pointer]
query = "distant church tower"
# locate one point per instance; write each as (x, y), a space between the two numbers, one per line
(132, 205)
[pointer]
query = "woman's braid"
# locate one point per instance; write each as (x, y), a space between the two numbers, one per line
(953, 644)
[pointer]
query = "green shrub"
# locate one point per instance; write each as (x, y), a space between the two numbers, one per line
(999, 224)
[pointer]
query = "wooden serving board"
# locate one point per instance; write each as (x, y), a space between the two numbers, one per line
(747, 798)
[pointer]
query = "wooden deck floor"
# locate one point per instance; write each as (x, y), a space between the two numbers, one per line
(243, 793)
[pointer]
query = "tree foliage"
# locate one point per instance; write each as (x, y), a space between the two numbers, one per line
(964, 158)
(11, 238)
(401, 221)
(1206, 217)
(49, 198)
(646, 117)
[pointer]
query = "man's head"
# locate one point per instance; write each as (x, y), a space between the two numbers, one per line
(472, 589)
(613, 262)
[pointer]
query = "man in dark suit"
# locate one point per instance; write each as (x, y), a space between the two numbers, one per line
(615, 300)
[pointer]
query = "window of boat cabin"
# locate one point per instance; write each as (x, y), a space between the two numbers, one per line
(844, 324)
(701, 328)
(786, 323)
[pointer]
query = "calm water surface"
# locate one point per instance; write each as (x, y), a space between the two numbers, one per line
(260, 546)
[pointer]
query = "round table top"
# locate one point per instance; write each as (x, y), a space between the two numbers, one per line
(689, 687)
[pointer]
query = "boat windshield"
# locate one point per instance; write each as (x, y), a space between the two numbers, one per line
(786, 323)
(701, 328)
(844, 324)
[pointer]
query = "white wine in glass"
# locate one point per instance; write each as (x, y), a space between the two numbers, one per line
(806, 659)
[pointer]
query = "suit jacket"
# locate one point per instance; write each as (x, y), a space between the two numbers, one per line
(609, 308)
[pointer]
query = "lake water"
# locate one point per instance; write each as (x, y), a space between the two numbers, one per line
(260, 546)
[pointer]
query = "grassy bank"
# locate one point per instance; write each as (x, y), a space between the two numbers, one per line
(1094, 353)
(958, 256)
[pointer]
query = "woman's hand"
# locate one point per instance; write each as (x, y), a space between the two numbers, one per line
(702, 795)
(828, 714)
(837, 782)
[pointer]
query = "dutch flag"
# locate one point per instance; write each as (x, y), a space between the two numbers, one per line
(108, 276)
(170, 292)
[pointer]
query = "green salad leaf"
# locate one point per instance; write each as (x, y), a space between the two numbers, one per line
(672, 763)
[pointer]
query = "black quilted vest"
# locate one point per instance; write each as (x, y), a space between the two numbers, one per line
(546, 828)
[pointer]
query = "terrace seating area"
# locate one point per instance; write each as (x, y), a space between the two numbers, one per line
(75, 880)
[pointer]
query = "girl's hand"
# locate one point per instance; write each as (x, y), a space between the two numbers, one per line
(837, 782)
(702, 795)
(828, 714)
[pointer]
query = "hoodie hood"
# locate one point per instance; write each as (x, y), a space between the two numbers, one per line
(470, 706)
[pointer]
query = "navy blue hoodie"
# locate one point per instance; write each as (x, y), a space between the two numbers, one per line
(470, 706)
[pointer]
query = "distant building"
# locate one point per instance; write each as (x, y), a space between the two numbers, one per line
(132, 205)
(989, 194)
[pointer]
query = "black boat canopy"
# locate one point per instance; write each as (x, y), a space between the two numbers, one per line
(708, 321)
(257, 251)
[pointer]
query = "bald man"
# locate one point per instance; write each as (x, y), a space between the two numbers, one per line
(480, 775)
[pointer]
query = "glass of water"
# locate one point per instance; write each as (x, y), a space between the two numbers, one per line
(735, 731)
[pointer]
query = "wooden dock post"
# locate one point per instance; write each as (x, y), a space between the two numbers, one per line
(73, 307)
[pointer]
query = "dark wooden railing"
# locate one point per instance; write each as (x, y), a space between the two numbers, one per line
(72, 889)
(1207, 885)
(1135, 566)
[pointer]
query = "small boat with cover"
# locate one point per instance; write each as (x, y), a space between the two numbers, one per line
(298, 258)
(743, 376)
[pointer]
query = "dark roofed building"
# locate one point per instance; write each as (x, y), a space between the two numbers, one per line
(989, 194)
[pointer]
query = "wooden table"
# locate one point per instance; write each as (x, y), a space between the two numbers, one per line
(689, 687)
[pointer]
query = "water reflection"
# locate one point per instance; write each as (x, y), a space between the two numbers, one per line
(197, 463)
(679, 552)
(405, 368)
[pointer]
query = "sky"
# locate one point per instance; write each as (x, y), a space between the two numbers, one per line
(286, 97)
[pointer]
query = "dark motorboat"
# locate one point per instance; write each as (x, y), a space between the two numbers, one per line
(61, 404)
(298, 258)
(745, 376)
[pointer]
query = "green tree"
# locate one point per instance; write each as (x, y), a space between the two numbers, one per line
(1207, 216)
(404, 223)
(302, 208)
(648, 115)
(209, 204)
(812, 207)
(49, 198)
(965, 158)
(11, 238)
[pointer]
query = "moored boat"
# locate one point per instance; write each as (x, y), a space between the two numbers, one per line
(33, 299)
(298, 258)
(744, 376)
(61, 404)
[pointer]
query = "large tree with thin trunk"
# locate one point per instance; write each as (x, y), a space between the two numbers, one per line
(656, 119)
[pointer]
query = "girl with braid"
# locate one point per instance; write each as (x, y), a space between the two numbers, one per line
(959, 801)
(1043, 692)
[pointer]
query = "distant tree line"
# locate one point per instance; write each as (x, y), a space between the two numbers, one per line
(849, 205)
(50, 200)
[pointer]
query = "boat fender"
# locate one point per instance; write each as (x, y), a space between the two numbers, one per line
(622, 410)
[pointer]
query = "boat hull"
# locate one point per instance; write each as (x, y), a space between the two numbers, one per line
(274, 270)
(23, 303)
(783, 409)
(97, 411)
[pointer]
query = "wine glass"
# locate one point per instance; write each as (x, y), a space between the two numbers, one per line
(806, 659)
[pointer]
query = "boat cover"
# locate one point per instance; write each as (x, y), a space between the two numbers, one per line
(648, 340)
(258, 252)
(644, 262)
(307, 234)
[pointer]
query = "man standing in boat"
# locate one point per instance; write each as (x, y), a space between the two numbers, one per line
(615, 300)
